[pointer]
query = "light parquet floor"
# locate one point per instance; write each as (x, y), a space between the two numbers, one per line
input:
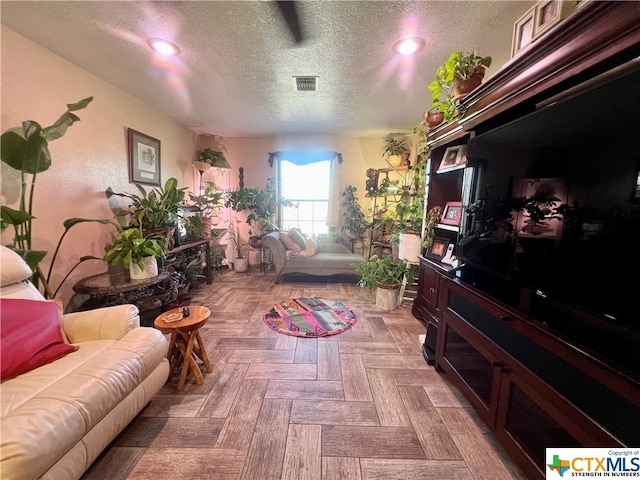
(362, 405)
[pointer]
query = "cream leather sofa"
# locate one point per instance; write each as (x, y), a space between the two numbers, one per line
(56, 419)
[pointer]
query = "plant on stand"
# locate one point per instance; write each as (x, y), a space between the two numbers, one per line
(154, 211)
(460, 74)
(138, 253)
(393, 150)
(410, 213)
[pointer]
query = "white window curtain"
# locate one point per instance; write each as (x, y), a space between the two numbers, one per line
(305, 158)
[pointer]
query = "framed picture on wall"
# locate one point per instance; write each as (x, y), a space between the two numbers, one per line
(143, 155)
(523, 31)
(452, 213)
(438, 248)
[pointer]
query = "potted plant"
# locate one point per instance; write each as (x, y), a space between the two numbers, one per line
(385, 275)
(26, 149)
(410, 213)
(393, 150)
(460, 74)
(136, 252)
(389, 186)
(154, 211)
(207, 158)
(354, 224)
(210, 203)
(262, 205)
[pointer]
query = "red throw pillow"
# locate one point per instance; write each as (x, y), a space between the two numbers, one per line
(30, 335)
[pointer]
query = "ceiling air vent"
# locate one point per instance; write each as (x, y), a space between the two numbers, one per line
(306, 84)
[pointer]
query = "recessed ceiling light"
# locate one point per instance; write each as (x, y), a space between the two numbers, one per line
(409, 46)
(163, 47)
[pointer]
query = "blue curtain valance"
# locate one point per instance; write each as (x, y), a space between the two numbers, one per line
(304, 158)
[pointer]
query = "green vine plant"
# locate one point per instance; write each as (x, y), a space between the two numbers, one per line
(26, 149)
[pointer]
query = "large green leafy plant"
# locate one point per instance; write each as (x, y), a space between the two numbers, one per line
(383, 271)
(26, 149)
(354, 222)
(262, 205)
(156, 208)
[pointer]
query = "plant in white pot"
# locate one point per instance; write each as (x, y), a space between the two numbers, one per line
(410, 211)
(136, 252)
(385, 275)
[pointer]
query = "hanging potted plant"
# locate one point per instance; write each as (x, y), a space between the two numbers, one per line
(386, 276)
(137, 253)
(393, 150)
(207, 158)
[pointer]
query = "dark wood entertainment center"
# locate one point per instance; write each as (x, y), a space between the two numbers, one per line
(546, 345)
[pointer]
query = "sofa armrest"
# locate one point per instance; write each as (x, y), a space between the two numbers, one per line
(278, 251)
(109, 323)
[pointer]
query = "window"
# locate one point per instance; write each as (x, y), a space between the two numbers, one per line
(308, 186)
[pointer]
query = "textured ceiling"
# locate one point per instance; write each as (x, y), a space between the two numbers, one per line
(234, 76)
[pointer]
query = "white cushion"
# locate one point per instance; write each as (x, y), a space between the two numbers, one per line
(13, 268)
(21, 290)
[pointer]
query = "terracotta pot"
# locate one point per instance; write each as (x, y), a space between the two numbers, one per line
(434, 119)
(462, 88)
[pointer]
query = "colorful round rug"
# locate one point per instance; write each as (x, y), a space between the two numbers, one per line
(310, 317)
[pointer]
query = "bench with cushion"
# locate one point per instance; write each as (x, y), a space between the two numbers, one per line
(309, 257)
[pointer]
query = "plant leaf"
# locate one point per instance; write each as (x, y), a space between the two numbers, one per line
(28, 152)
(70, 222)
(14, 217)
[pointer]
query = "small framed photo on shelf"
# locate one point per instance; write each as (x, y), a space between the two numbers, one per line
(449, 258)
(523, 31)
(438, 248)
(143, 155)
(453, 156)
(549, 13)
(452, 213)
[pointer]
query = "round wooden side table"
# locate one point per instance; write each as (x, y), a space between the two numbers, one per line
(186, 344)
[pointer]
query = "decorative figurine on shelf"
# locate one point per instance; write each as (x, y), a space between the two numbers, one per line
(406, 162)
(372, 182)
